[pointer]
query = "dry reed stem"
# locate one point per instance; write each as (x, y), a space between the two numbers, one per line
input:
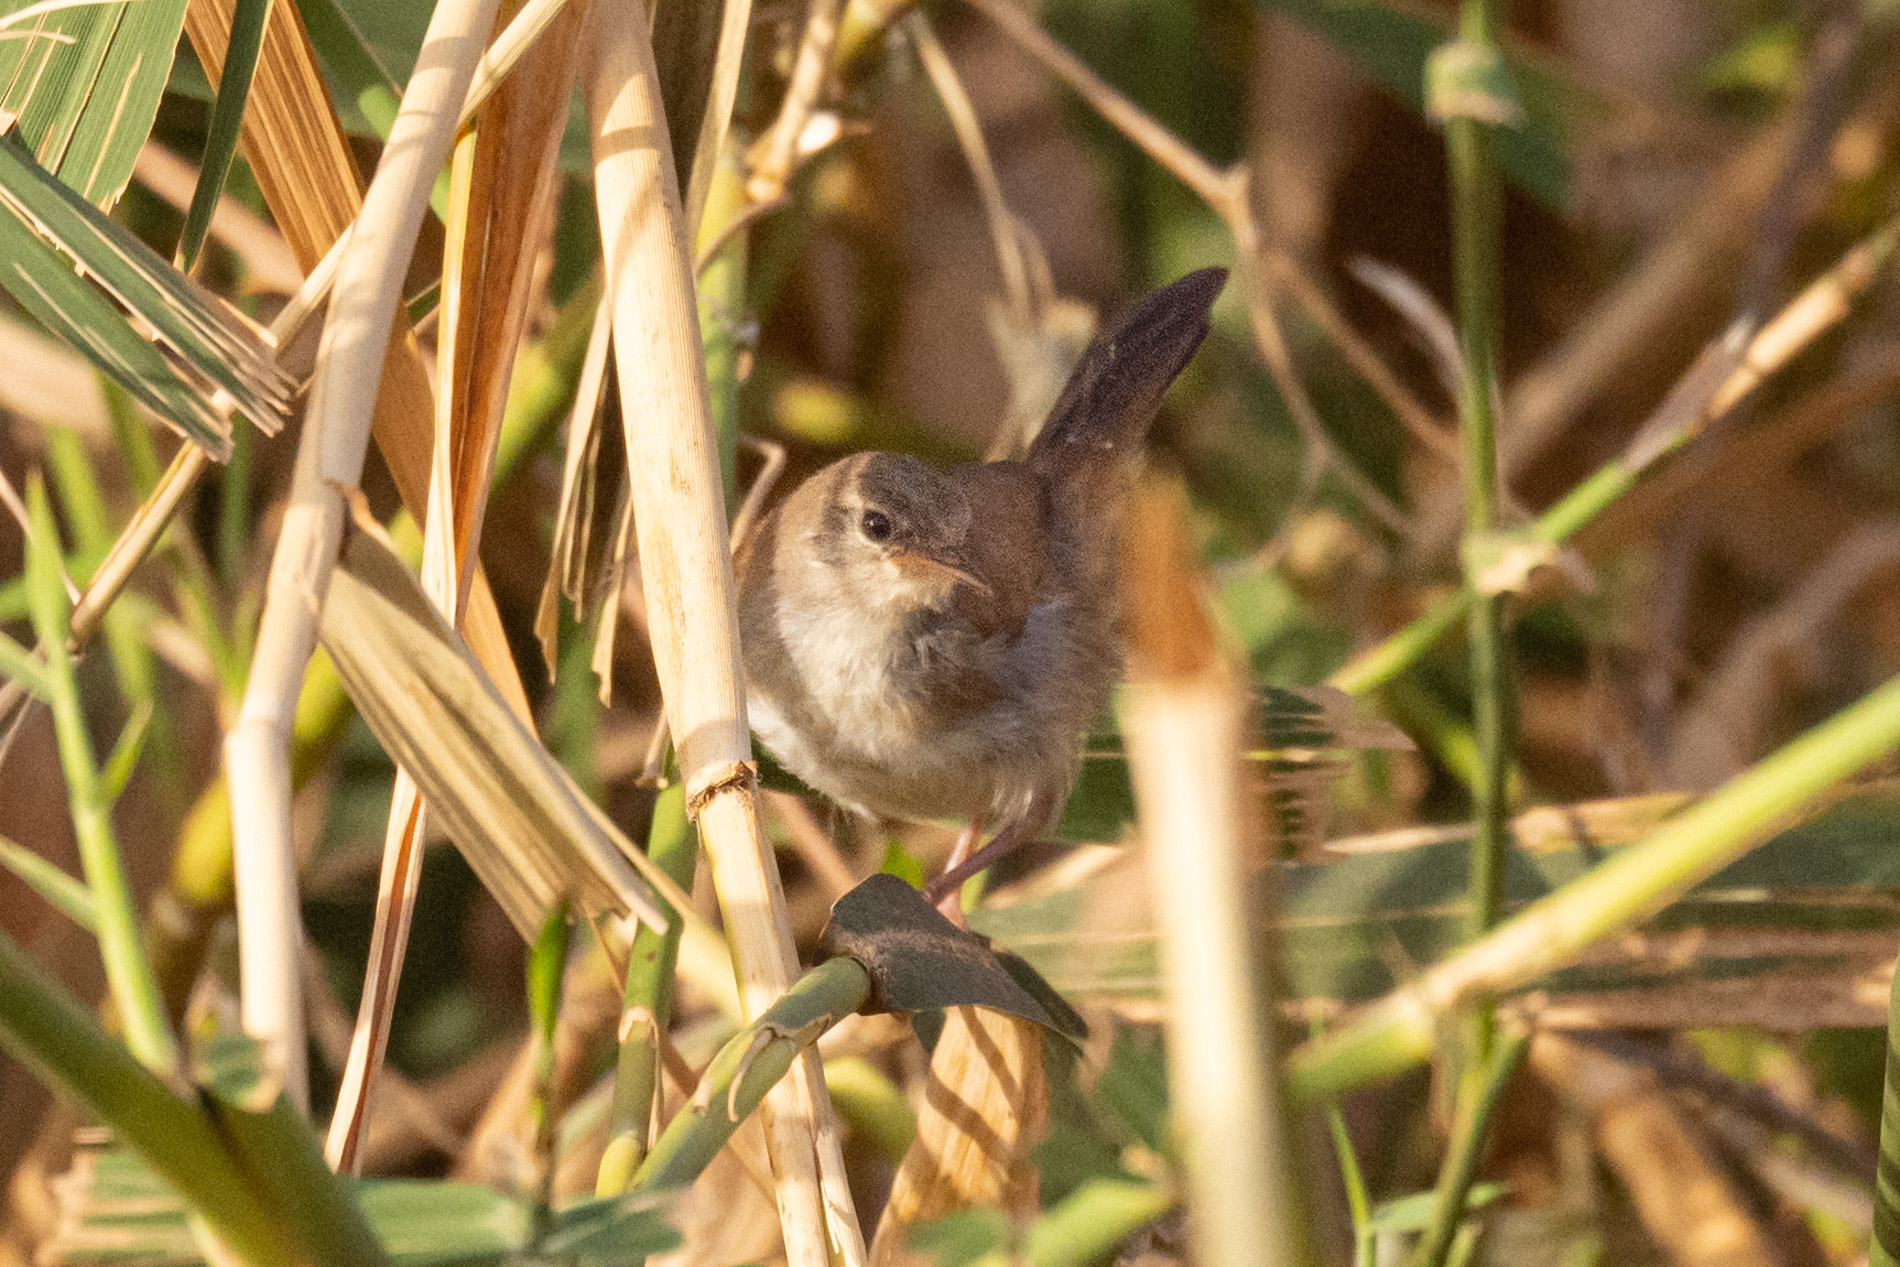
(716, 123)
(329, 459)
(986, 1106)
(777, 151)
(1681, 1193)
(1186, 721)
(686, 569)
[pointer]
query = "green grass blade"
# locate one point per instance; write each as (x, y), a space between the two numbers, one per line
(85, 106)
(46, 286)
(62, 892)
(47, 1030)
(221, 137)
(210, 338)
(128, 971)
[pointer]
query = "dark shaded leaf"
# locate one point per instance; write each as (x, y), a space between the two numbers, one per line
(918, 960)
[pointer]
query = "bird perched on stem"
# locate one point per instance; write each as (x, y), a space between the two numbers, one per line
(933, 644)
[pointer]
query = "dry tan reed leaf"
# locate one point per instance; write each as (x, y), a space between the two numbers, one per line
(568, 573)
(302, 161)
(986, 1105)
(502, 199)
(512, 809)
(493, 227)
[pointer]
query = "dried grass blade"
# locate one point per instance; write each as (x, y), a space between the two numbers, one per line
(521, 822)
(687, 572)
(507, 169)
(580, 477)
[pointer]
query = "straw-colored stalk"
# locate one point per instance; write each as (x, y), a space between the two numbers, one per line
(677, 496)
(494, 226)
(329, 458)
(986, 1106)
(1186, 720)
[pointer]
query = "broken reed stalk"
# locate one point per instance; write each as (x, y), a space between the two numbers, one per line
(329, 459)
(686, 567)
(1186, 721)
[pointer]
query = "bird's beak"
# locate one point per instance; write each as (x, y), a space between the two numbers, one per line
(920, 564)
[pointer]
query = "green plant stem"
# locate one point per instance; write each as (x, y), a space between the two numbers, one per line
(48, 1031)
(646, 1006)
(547, 964)
(1398, 1031)
(748, 1066)
(128, 974)
(1478, 1100)
(1476, 198)
(1883, 1249)
(1378, 665)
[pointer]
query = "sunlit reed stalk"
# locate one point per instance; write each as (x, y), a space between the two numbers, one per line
(329, 458)
(686, 567)
(1186, 719)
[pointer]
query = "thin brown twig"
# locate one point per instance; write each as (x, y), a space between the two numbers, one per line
(1411, 412)
(976, 153)
(1226, 194)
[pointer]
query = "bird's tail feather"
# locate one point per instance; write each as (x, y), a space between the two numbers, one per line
(1116, 389)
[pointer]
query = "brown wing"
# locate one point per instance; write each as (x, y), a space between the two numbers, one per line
(1007, 545)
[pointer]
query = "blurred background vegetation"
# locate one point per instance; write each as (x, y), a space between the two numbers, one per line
(1679, 165)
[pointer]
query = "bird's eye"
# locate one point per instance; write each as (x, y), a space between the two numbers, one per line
(876, 525)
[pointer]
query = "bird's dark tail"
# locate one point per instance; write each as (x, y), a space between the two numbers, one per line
(1117, 386)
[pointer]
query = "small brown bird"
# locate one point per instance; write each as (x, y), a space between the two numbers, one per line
(933, 644)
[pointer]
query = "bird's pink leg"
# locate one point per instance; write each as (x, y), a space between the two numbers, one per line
(944, 887)
(959, 852)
